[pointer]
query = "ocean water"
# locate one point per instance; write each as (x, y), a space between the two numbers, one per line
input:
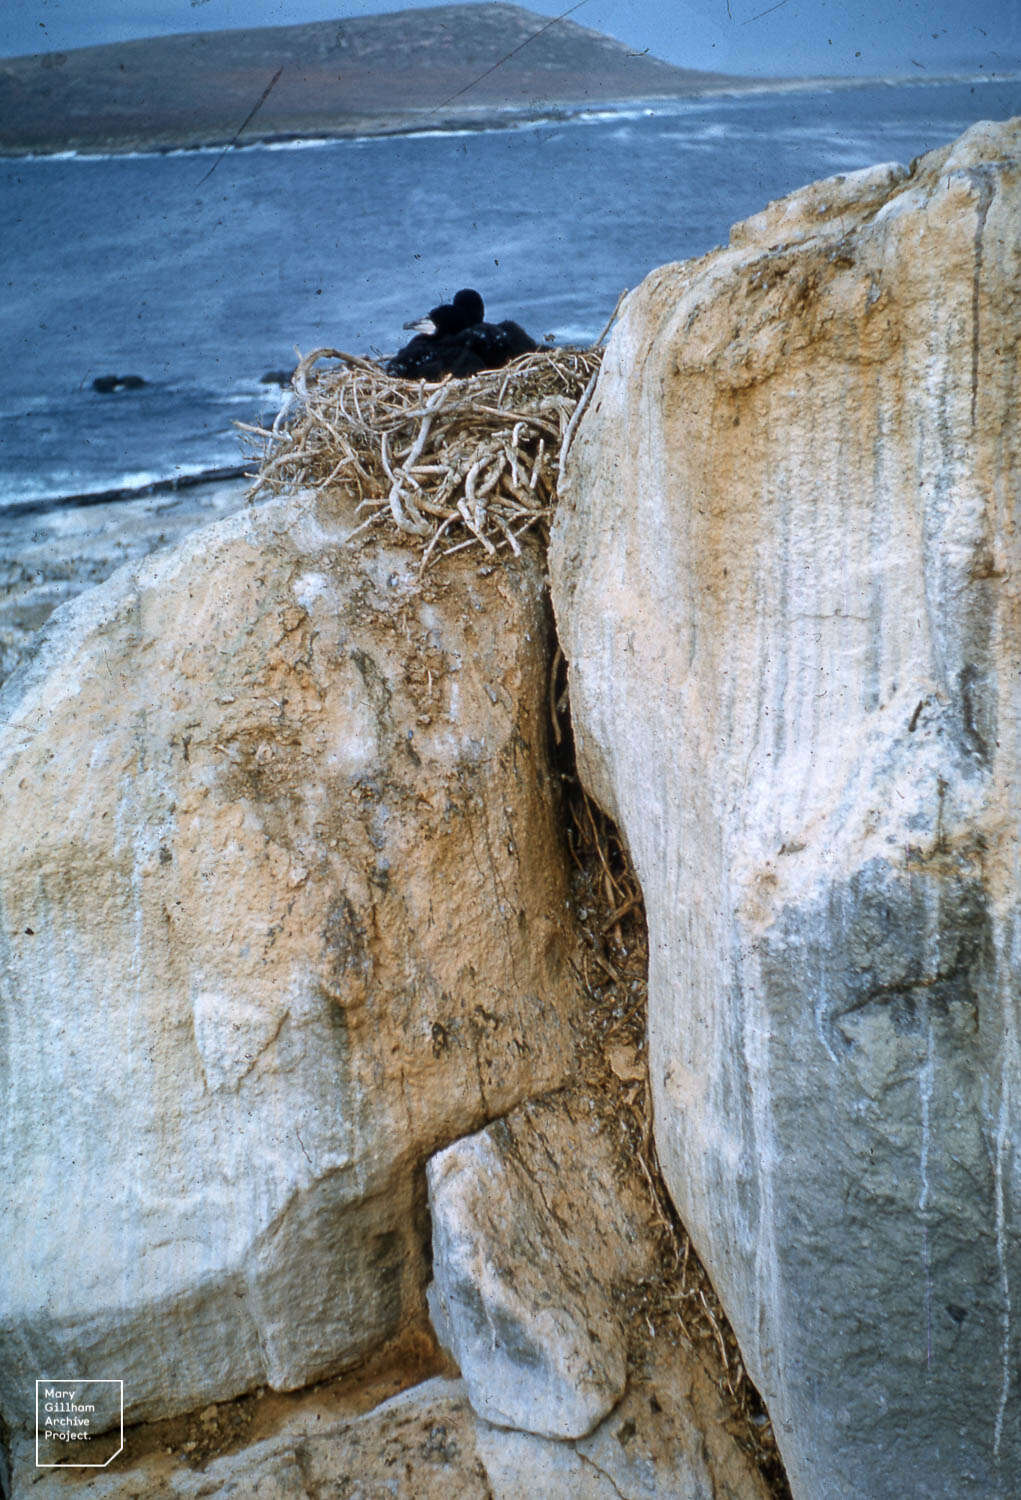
(201, 272)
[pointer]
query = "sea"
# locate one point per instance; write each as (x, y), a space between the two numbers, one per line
(201, 272)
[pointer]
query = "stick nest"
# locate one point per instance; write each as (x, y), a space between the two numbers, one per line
(451, 464)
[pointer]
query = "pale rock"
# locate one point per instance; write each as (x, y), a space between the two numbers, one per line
(666, 1441)
(557, 1225)
(786, 578)
(520, 1463)
(418, 1445)
(541, 1231)
(283, 913)
(531, 1235)
(268, 1471)
(50, 552)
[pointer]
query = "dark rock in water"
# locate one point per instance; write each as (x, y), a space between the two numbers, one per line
(104, 384)
(276, 377)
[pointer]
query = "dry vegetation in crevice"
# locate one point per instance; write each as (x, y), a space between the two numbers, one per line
(680, 1303)
(476, 462)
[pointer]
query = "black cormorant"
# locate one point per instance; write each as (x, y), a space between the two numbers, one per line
(455, 339)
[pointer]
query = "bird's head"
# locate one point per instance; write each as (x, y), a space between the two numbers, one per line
(441, 321)
(469, 306)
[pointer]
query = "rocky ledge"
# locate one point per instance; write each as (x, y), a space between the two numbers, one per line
(301, 1071)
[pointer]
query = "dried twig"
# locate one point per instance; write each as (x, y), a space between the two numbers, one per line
(475, 461)
(612, 318)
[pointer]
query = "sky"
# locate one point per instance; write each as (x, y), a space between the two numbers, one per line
(861, 38)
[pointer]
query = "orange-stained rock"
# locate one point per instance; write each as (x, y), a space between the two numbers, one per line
(283, 905)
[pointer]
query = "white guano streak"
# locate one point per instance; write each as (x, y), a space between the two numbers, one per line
(926, 1079)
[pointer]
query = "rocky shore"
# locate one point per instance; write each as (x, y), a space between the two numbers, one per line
(49, 554)
(345, 1138)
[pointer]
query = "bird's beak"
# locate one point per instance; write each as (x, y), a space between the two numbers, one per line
(423, 325)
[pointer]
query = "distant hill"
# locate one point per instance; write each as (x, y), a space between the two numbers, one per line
(375, 74)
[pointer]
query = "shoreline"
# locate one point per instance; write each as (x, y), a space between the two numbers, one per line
(170, 485)
(49, 555)
(469, 118)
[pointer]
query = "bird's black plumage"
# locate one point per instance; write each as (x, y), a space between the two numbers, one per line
(436, 350)
(455, 339)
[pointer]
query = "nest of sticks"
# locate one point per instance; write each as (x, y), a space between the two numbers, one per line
(450, 464)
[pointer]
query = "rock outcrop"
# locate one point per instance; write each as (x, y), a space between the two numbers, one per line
(283, 911)
(785, 576)
(541, 1241)
(419, 1443)
(666, 1441)
(541, 1237)
(285, 928)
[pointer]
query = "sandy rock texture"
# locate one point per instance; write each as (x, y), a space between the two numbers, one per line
(541, 1231)
(283, 913)
(419, 1443)
(786, 579)
(666, 1441)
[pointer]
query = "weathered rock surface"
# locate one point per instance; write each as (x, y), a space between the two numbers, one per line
(420, 1443)
(786, 579)
(666, 1441)
(531, 1238)
(282, 911)
(539, 1234)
